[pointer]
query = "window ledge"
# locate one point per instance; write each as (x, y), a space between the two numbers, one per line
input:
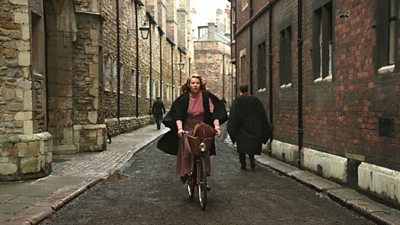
(386, 69)
(37, 74)
(286, 85)
(325, 79)
(262, 90)
(245, 6)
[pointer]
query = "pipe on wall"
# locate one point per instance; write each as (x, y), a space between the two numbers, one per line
(171, 42)
(137, 61)
(161, 32)
(150, 19)
(118, 64)
(271, 92)
(300, 78)
(251, 49)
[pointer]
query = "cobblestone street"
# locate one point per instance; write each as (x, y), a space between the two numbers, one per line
(148, 192)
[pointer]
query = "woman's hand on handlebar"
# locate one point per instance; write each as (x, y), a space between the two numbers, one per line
(181, 132)
(218, 131)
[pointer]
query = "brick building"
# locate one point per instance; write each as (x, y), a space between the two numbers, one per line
(328, 74)
(212, 56)
(69, 69)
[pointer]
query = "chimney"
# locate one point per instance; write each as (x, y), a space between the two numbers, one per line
(211, 31)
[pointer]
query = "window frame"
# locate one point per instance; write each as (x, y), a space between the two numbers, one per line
(387, 35)
(261, 66)
(285, 57)
(322, 41)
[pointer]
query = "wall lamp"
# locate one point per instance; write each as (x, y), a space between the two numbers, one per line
(181, 65)
(144, 30)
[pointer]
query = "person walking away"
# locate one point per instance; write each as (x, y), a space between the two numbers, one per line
(248, 126)
(158, 111)
(191, 107)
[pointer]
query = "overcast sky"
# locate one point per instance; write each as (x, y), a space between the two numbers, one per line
(206, 10)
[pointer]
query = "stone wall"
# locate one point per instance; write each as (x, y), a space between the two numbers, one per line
(25, 156)
(15, 74)
(25, 152)
(90, 66)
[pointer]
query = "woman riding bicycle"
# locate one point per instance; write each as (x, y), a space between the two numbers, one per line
(193, 106)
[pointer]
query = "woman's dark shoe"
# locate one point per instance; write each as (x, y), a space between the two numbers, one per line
(184, 178)
(243, 167)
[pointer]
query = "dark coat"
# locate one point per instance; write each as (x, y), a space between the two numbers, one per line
(169, 142)
(248, 125)
(158, 109)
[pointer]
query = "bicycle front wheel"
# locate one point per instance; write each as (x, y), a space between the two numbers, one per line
(202, 182)
(190, 185)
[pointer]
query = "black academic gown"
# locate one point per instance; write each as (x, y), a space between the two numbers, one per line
(169, 142)
(248, 125)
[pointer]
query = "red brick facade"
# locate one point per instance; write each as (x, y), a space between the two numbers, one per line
(355, 113)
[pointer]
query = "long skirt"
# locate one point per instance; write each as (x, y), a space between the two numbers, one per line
(185, 158)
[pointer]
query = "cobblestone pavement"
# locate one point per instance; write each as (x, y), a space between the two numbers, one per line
(30, 202)
(151, 193)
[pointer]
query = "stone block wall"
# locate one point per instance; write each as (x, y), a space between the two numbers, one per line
(25, 151)
(25, 156)
(15, 74)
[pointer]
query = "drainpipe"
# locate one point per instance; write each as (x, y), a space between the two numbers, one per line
(171, 42)
(300, 79)
(46, 57)
(137, 57)
(151, 21)
(161, 32)
(172, 71)
(118, 67)
(271, 92)
(223, 75)
(251, 48)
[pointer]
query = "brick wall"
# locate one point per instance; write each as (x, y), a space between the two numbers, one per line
(347, 115)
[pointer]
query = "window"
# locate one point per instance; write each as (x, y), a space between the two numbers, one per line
(155, 89)
(243, 69)
(322, 42)
(133, 83)
(261, 69)
(37, 50)
(285, 57)
(107, 68)
(121, 78)
(386, 23)
(114, 75)
(148, 86)
(392, 30)
(168, 92)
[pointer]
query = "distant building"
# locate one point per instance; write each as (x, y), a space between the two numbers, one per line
(212, 56)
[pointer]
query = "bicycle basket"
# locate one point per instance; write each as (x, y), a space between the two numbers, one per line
(194, 143)
(201, 132)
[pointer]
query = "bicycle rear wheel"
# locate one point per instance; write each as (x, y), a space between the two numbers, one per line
(202, 182)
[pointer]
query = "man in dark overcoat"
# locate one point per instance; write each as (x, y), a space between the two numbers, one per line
(248, 126)
(158, 111)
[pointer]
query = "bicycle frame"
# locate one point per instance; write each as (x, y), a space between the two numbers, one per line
(198, 178)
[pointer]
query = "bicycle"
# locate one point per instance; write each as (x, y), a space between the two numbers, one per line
(198, 177)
